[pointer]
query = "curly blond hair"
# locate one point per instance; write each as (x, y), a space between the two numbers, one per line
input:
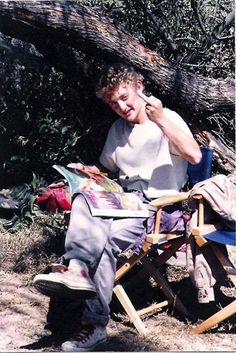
(113, 76)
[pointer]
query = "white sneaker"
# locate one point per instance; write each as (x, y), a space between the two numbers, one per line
(72, 282)
(87, 339)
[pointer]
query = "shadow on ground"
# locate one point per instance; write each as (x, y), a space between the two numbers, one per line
(182, 285)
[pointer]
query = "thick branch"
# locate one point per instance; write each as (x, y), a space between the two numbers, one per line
(194, 5)
(228, 21)
(162, 33)
(82, 29)
(224, 156)
(61, 30)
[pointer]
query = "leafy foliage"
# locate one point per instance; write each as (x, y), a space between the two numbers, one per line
(192, 34)
(49, 118)
(25, 211)
(45, 120)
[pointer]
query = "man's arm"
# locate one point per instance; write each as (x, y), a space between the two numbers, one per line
(185, 144)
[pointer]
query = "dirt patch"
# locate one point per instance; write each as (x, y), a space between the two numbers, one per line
(24, 312)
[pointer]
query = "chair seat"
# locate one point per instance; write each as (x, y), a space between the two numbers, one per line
(221, 236)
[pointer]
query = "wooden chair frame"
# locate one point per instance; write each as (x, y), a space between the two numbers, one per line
(153, 269)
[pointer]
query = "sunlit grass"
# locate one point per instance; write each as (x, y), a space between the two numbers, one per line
(32, 248)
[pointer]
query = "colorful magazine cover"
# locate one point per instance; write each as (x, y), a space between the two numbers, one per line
(104, 196)
(115, 204)
(78, 181)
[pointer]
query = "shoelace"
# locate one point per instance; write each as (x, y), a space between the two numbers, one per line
(202, 294)
(84, 333)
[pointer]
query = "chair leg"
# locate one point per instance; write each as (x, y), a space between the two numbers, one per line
(164, 286)
(221, 315)
(158, 260)
(225, 262)
(123, 298)
(129, 308)
(167, 254)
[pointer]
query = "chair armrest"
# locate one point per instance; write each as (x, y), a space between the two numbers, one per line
(205, 229)
(199, 233)
(169, 199)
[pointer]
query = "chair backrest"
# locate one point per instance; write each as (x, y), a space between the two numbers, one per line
(202, 170)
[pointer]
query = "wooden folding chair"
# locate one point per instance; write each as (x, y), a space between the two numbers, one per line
(210, 235)
(151, 269)
(196, 173)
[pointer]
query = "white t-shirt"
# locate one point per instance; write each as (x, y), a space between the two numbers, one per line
(144, 157)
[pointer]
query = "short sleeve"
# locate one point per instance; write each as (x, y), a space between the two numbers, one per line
(107, 157)
(181, 124)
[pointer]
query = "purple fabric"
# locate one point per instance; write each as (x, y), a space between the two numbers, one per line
(172, 220)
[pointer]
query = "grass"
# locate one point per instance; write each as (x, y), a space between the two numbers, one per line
(31, 248)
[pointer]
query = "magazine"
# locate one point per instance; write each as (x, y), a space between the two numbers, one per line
(78, 181)
(104, 196)
(115, 204)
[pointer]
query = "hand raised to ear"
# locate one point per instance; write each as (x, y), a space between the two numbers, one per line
(153, 107)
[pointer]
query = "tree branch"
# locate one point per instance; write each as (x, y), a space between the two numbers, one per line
(166, 37)
(228, 21)
(20, 52)
(57, 28)
(211, 39)
(79, 27)
(195, 8)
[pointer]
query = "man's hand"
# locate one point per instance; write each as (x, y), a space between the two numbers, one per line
(84, 168)
(154, 108)
(90, 170)
(58, 184)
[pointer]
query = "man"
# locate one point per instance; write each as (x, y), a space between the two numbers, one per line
(149, 147)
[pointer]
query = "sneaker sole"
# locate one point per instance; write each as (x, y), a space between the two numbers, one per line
(70, 348)
(57, 289)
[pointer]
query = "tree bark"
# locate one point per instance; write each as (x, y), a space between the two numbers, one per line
(51, 25)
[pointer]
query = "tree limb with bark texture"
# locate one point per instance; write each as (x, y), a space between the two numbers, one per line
(50, 25)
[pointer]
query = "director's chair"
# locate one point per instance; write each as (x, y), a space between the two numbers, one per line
(198, 172)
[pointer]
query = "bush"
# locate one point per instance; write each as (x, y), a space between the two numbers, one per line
(46, 119)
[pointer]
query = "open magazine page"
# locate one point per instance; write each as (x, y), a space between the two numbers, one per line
(80, 181)
(115, 204)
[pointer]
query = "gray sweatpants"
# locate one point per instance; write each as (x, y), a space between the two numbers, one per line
(97, 241)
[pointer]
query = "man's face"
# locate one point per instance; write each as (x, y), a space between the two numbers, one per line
(124, 100)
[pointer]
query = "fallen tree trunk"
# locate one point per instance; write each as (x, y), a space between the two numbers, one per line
(51, 25)
(83, 29)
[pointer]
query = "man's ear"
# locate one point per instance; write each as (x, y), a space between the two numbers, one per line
(139, 86)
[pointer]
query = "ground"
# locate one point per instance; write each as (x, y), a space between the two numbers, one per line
(24, 311)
